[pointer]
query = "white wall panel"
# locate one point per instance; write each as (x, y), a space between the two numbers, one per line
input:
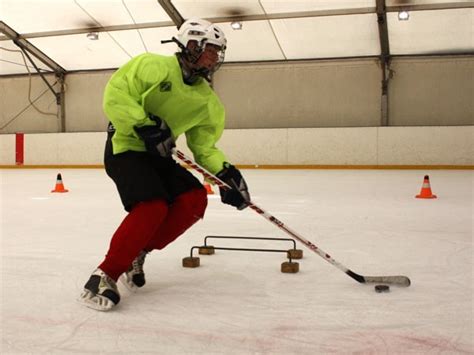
(252, 146)
(42, 149)
(7, 149)
(333, 146)
(255, 146)
(64, 148)
(328, 146)
(426, 145)
(83, 150)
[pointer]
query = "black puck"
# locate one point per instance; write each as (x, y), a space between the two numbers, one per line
(382, 288)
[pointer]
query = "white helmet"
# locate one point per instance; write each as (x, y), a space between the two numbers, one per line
(201, 31)
(204, 33)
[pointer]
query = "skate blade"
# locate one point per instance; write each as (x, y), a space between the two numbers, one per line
(97, 302)
(129, 285)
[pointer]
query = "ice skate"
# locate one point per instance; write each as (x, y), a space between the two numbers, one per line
(100, 292)
(135, 277)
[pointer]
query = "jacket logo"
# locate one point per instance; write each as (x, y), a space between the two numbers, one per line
(165, 86)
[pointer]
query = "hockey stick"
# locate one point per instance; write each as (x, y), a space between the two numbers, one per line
(393, 280)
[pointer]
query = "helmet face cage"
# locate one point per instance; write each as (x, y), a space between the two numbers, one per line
(204, 33)
(195, 53)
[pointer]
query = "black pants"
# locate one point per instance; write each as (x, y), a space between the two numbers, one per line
(140, 176)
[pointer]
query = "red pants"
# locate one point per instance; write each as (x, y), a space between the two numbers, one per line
(152, 225)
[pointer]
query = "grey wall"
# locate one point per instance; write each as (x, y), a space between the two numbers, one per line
(432, 92)
(429, 91)
(16, 114)
(318, 94)
(84, 101)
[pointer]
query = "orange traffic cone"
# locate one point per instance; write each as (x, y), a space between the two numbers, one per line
(208, 188)
(426, 189)
(59, 185)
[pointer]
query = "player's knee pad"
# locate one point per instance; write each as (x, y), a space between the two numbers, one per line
(195, 202)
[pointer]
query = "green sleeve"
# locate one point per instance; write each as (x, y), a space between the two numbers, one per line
(201, 141)
(125, 92)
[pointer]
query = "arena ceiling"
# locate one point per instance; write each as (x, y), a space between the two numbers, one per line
(55, 34)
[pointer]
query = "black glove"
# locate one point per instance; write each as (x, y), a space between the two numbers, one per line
(158, 139)
(238, 195)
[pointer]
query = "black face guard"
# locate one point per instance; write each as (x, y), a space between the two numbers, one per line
(191, 57)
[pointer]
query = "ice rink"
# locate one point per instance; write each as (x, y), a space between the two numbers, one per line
(240, 302)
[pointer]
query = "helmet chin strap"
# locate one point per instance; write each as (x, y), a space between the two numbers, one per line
(190, 76)
(186, 60)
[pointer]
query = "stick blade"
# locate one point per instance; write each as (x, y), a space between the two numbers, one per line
(398, 280)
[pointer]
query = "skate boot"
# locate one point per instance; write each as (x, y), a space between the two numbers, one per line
(100, 292)
(135, 277)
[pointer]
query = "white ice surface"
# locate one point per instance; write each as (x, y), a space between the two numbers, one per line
(240, 302)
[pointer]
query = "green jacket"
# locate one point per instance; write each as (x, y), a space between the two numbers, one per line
(151, 83)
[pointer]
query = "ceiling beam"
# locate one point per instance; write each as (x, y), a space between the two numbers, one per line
(172, 12)
(383, 29)
(384, 58)
(77, 31)
(293, 15)
(21, 42)
(256, 17)
(424, 7)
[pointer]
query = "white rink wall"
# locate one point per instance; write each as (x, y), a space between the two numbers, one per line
(374, 146)
(7, 149)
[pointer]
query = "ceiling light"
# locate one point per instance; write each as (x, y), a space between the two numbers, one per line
(236, 25)
(93, 36)
(403, 15)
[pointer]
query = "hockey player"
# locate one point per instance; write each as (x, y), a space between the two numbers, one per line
(150, 101)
